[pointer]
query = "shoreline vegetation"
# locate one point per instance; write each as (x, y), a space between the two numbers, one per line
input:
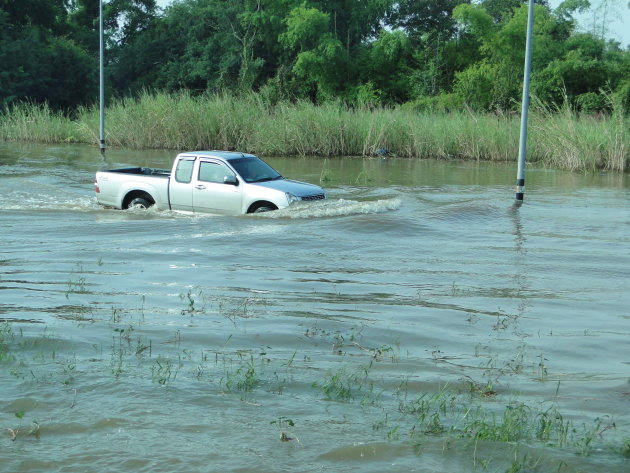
(558, 138)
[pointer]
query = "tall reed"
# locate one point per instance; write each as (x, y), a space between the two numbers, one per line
(564, 139)
(558, 138)
(38, 123)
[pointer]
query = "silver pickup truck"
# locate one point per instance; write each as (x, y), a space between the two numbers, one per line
(218, 182)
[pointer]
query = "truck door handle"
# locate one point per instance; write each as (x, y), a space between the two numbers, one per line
(200, 187)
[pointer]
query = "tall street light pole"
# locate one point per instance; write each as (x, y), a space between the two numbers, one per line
(522, 145)
(102, 80)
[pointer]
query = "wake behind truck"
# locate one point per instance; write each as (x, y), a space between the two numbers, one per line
(217, 182)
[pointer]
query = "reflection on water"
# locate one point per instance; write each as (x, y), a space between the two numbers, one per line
(414, 321)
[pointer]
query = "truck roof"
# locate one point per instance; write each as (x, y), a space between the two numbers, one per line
(227, 155)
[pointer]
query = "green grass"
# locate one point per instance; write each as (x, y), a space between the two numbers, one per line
(558, 138)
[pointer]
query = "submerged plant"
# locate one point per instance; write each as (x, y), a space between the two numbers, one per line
(342, 385)
(283, 424)
(327, 174)
(244, 378)
(32, 430)
(77, 286)
(6, 334)
(188, 297)
(524, 464)
(163, 370)
(338, 386)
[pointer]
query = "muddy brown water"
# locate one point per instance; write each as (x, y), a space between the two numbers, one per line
(414, 321)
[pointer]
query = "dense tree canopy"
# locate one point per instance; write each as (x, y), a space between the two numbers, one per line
(441, 55)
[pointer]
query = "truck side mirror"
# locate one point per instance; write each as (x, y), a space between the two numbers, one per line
(231, 180)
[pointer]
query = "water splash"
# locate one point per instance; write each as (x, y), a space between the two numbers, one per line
(38, 196)
(334, 208)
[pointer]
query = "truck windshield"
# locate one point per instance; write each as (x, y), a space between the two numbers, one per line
(254, 170)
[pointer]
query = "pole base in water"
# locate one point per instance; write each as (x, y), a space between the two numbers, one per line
(520, 189)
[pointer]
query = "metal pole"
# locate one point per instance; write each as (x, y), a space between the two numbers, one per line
(102, 79)
(522, 145)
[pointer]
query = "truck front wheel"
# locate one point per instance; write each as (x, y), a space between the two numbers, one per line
(139, 203)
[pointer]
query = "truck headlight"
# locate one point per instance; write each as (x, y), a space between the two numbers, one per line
(292, 198)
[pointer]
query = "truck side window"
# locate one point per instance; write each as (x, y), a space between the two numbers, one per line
(184, 170)
(213, 172)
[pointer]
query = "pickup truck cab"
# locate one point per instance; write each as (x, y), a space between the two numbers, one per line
(218, 182)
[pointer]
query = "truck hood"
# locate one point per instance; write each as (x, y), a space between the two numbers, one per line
(297, 188)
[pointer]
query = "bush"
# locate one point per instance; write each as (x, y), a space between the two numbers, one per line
(476, 86)
(591, 102)
(622, 97)
(439, 103)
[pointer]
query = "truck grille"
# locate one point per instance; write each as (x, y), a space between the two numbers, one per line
(313, 197)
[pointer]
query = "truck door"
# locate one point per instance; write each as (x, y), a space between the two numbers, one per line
(180, 184)
(212, 194)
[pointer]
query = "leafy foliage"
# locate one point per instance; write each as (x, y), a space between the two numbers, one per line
(435, 55)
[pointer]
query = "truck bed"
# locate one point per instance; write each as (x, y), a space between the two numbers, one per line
(143, 171)
(117, 187)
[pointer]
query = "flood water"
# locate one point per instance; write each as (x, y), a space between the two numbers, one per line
(413, 321)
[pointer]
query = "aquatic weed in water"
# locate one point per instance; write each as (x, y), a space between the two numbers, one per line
(243, 379)
(32, 430)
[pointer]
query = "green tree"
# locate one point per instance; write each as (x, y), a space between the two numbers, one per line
(502, 46)
(262, 21)
(586, 68)
(38, 62)
(46, 14)
(362, 51)
(320, 59)
(354, 22)
(425, 17)
(190, 47)
(386, 69)
(438, 52)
